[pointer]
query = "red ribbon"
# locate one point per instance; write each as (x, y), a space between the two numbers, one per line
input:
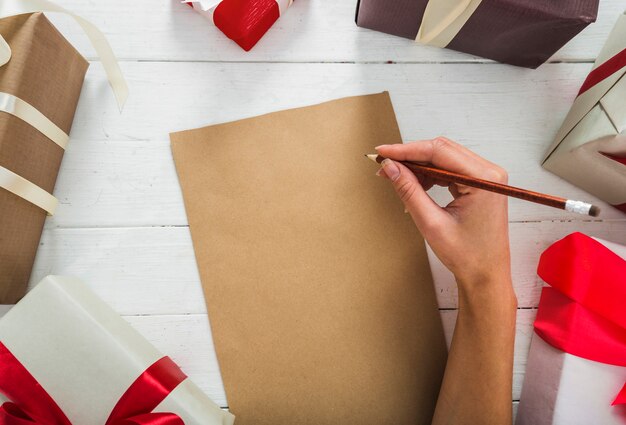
(603, 71)
(245, 21)
(30, 403)
(583, 313)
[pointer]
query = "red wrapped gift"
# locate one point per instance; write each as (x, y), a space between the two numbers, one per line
(243, 21)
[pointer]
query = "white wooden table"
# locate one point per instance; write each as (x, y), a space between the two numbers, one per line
(121, 225)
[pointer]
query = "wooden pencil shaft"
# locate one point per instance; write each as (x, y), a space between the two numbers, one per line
(503, 189)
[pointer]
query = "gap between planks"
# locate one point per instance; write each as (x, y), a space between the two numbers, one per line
(95, 60)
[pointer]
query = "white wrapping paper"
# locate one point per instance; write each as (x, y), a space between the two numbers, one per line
(86, 356)
(563, 389)
(207, 7)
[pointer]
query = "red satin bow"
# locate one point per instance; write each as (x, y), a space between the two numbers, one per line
(584, 312)
(31, 405)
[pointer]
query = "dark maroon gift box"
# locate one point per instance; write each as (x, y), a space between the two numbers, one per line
(518, 32)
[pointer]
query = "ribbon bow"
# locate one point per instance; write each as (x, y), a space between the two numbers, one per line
(583, 312)
(31, 405)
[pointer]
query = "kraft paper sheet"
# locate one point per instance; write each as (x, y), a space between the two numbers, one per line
(317, 284)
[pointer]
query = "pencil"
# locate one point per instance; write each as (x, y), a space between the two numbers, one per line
(503, 189)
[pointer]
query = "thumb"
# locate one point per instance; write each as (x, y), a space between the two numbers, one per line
(424, 211)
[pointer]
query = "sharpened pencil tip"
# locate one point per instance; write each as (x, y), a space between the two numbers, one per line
(594, 211)
(372, 156)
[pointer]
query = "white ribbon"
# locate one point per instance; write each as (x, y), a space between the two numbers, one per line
(204, 5)
(27, 190)
(98, 40)
(5, 51)
(20, 108)
(17, 107)
(208, 6)
(443, 19)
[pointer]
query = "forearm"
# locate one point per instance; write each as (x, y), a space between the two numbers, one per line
(477, 383)
(470, 237)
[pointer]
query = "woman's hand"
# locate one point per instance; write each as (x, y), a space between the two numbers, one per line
(469, 235)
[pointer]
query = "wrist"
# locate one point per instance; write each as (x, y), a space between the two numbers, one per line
(487, 290)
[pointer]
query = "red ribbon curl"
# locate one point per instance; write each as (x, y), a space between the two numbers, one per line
(583, 313)
(31, 405)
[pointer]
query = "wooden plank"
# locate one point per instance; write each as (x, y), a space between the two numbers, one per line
(186, 338)
(118, 170)
(310, 31)
(528, 241)
(523, 334)
(153, 270)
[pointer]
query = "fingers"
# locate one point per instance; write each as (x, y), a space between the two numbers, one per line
(425, 181)
(425, 212)
(445, 154)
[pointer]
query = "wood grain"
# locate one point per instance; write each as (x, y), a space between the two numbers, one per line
(121, 216)
(125, 265)
(118, 169)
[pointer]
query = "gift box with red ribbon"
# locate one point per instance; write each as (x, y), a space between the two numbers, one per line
(67, 358)
(243, 21)
(590, 148)
(576, 371)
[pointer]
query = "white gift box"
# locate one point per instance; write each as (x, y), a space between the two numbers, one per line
(596, 125)
(563, 389)
(85, 356)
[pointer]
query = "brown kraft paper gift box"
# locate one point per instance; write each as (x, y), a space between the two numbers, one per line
(47, 72)
(518, 32)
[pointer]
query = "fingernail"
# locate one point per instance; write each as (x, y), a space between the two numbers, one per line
(379, 146)
(391, 169)
(380, 170)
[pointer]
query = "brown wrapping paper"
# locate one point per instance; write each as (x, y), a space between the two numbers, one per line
(317, 284)
(518, 32)
(47, 72)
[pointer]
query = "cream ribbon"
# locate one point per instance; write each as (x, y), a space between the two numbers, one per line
(18, 185)
(27, 190)
(5, 51)
(443, 19)
(17, 107)
(98, 40)
(20, 108)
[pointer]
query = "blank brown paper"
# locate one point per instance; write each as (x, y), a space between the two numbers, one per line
(318, 288)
